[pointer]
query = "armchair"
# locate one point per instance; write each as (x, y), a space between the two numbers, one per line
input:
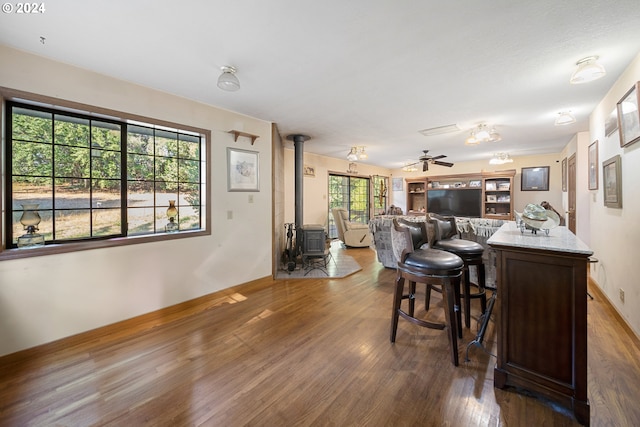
(352, 234)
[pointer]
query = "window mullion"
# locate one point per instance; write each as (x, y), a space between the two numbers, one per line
(124, 183)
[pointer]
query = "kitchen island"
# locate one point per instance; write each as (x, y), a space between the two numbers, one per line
(541, 314)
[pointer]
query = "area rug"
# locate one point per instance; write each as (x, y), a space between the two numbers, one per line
(338, 265)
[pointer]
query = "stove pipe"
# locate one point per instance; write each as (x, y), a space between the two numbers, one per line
(298, 141)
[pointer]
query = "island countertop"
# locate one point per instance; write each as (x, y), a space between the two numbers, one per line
(559, 239)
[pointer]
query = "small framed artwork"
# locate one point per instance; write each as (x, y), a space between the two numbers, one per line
(629, 116)
(243, 170)
(490, 186)
(593, 166)
(535, 179)
(504, 186)
(611, 124)
(612, 182)
(492, 198)
(475, 183)
(396, 184)
(564, 174)
(309, 171)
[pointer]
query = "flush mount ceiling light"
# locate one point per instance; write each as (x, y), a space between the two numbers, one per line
(565, 118)
(589, 69)
(409, 167)
(500, 159)
(353, 154)
(228, 80)
(357, 153)
(482, 133)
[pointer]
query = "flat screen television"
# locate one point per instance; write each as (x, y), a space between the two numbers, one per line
(465, 202)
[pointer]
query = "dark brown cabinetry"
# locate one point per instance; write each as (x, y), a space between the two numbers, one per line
(541, 315)
(496, 190)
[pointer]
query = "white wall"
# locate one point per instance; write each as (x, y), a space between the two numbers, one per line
(615, 233)
(46, 298)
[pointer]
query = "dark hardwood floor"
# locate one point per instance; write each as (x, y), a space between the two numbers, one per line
(302, 352)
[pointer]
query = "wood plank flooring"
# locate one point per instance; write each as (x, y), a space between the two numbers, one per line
(301, 352)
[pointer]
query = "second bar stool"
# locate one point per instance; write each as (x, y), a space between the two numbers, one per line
(431, 267)
(443, 236)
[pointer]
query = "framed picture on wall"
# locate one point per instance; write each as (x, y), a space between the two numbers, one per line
(242, 170)
(612, 182)
(535, 179)
(396, 184)
(593, 166)
(564, 174)
(611, 124)
(309, 171)
(629, 116)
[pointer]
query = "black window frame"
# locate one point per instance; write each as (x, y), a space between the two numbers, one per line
(10, 98)
(347, 200)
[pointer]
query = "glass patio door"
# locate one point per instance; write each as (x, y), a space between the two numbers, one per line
(350, 193)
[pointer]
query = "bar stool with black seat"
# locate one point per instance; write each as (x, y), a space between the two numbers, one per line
(444, 236)
(427, 266)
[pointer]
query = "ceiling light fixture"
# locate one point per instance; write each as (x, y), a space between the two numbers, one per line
(482, 133)
(565, 118)
(353, 154)
(589, 69)
(409, 167)
(500, 159)
(472, 140)
(228, 80)
(357, 153)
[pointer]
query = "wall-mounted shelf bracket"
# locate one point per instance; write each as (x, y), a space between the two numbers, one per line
(237, 133)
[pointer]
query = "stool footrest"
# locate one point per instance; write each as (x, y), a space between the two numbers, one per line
(421, 322)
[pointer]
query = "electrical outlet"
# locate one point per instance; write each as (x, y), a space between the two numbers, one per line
(229, 214)
(622, 295)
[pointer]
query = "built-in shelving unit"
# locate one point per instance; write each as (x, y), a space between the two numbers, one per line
(493, 198)
(416, 196)
(498, 196)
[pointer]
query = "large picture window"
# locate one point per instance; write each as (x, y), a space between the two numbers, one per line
(92, 178)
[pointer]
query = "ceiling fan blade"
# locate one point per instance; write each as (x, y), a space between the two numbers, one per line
(447, 164)
(441, 156)
(425, 166)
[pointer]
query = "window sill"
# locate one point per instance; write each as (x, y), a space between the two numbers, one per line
(14, 253)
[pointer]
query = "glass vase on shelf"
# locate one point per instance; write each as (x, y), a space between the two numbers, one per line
(172, 213)
(30, 219)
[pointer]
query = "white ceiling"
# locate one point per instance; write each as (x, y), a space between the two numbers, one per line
(357, 72)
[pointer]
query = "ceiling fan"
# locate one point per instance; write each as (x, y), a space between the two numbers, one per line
(426, 159)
